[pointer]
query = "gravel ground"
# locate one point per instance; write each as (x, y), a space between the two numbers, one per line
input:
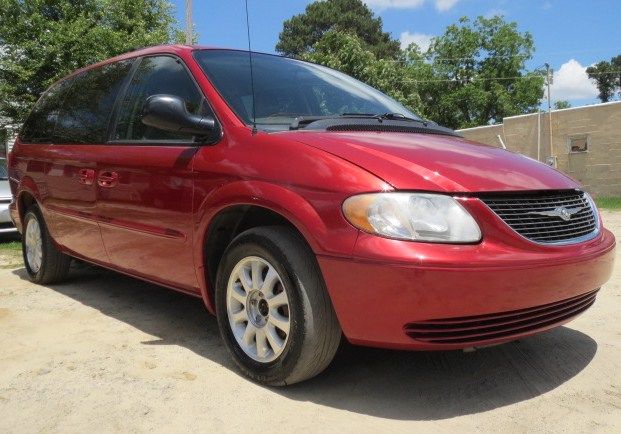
(106, 353)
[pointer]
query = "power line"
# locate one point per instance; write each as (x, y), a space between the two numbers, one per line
(478, 78)
(471, 79)
(482, 57)
(535, 56)
(405, 62)
(604, 72)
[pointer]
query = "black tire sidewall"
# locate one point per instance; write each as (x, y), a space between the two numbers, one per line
(252, 244)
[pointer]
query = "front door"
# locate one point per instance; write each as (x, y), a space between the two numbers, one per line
(146, 184)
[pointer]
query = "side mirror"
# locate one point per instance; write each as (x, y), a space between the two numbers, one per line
(168, 113)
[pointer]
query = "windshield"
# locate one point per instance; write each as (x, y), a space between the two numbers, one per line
(286, 89)
(4, 174)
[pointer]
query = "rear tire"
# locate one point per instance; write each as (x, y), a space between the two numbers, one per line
(44, 263)
(307, 330)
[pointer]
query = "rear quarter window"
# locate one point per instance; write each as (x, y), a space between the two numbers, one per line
(88, 102)
(40, 124)
(77, 109)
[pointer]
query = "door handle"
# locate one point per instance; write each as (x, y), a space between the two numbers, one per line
(86, 176)
(108, 179)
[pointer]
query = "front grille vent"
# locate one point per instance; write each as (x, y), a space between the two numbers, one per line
(557, 217)
(500, 325)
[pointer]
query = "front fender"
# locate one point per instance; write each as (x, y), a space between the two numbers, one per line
(313, 213)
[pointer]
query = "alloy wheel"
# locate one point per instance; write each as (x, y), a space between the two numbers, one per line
(34, 245)
(258, 309)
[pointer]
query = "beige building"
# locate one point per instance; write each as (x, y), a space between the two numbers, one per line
(586, 142)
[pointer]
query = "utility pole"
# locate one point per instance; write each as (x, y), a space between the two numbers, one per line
(549, 78)
(188, 22)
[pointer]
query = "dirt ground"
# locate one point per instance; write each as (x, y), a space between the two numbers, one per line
(106, 353)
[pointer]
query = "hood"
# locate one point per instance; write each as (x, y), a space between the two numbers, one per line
(5, 189)
(430, 162)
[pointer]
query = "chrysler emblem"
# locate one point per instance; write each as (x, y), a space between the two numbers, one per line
(560, 212)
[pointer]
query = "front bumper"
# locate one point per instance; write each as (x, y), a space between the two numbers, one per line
(389, 288)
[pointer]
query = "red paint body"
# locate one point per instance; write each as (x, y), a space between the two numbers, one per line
(146, 211)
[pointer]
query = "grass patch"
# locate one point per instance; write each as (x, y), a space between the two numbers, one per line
(611, 203)
(11, 246)
(11, 254)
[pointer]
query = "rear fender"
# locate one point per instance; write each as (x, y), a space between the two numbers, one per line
(28, 186)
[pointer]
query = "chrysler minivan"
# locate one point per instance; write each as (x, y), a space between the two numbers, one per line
(301, 206)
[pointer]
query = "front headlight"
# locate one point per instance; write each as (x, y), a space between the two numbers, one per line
(412, 216)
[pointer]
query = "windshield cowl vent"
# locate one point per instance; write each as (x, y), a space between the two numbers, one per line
(383, 126)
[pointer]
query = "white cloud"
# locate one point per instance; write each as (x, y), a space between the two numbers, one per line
(421, 39)
(394, 4)
(571, 82)
(445, 5)
(495, 12)
(441, 5)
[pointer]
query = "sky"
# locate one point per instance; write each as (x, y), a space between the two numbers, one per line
(569, 34)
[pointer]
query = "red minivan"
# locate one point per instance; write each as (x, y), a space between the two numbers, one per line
(301, 205)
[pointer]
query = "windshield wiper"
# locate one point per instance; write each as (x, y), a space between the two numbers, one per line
(401, 117)
(303, 121)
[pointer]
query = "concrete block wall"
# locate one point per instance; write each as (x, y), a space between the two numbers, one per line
(598, 169)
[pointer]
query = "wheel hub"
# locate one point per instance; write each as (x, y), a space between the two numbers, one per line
(263, 308)
(258, 309)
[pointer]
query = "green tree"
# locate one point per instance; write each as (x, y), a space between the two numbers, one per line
(301, 32)
(561, 104)
(347, 53)
(480, 74)
(43, 40)
(607, 77)
(473, 74)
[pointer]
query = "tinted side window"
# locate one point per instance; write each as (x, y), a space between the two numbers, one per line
(39, 127)
(156, 75)
(88, 102)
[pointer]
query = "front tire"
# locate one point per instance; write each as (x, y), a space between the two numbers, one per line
(44, 263)
(274, 312)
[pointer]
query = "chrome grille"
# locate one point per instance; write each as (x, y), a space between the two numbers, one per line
(526, 214)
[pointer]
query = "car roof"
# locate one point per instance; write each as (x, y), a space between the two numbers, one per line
(157, 49)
